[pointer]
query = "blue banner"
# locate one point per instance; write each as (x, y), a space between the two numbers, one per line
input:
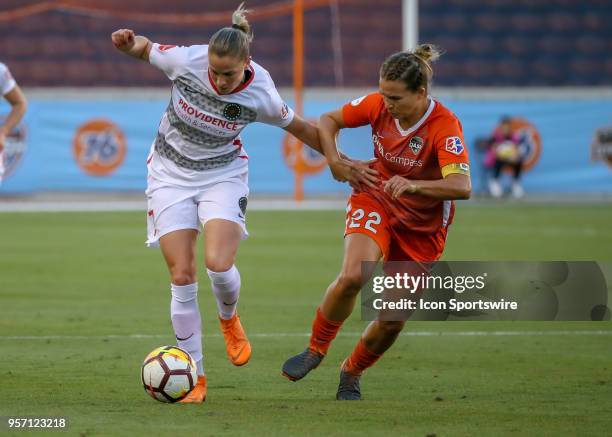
(102, 146)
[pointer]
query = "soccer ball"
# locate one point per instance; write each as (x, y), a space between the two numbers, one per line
(168, 374)
(507, 151)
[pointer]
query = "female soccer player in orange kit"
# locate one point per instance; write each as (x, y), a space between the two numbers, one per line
(422, 167)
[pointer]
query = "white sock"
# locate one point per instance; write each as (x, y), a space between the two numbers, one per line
(186, 321)
(226, 287)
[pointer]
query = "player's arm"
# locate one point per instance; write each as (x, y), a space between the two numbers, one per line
(343, 168)
(454, 186)
(305, 132)
(19, 104)
(136, 46)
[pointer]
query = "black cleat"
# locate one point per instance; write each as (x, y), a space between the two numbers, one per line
(298, 366)
(348, 389)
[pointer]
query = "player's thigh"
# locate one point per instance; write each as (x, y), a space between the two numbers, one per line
(225, 200)
(178, 248)
(222, 239)
(366, 237)
(169, 209)
(359, 249)
(222, 212)
(173, 224)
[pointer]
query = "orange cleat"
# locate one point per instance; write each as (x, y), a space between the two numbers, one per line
(198, 394)
(236, 343)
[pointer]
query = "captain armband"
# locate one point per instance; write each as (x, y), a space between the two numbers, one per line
(456, 168)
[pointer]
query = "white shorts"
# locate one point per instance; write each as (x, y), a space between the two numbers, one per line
(171, 207)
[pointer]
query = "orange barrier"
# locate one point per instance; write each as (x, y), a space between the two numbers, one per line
(298, 88)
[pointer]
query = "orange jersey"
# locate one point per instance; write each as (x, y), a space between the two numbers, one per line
(431, 149)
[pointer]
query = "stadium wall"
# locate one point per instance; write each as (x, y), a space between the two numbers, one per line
(98, 141)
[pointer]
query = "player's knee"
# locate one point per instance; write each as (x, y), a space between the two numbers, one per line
(219, 263)
(349, 282)
(181, 276)
(390, 328)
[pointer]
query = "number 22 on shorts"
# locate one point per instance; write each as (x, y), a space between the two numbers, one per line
(356, 220)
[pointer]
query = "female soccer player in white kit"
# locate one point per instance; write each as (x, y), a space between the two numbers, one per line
(12, 93)
(198, 171)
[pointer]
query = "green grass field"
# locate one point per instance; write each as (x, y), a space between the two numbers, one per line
(83, 301)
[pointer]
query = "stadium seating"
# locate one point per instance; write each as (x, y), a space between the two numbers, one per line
(487, 43)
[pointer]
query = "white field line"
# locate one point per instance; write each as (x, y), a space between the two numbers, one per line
(141, 205)
(307, 334)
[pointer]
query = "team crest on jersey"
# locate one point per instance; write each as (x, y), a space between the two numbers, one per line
(416, 144)
(454, 145)
(232, 111)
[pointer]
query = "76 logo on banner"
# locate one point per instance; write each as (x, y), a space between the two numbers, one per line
(99, 147)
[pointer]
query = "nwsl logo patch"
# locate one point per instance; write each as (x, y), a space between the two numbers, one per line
(454, 145)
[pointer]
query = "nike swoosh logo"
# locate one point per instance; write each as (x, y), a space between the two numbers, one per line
(183, 339)
(229, 304)
(237, 354)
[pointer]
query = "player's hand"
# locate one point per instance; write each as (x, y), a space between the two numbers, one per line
(397, 185)
(123, 39)
(357, 173)
(340, 169)
(362, 173)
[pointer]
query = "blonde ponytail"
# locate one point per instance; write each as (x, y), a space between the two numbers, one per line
(240, 22)
(233, 41)
(427, 52)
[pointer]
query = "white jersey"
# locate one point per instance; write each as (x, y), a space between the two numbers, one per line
(199, 134)
(7, 83)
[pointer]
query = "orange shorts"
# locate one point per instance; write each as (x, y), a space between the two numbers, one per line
(365, 215)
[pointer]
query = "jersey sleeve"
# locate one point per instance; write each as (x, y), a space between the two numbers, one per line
(7, 83)
(271, 109)
(170, 59)
(360, 112)
(451, 149)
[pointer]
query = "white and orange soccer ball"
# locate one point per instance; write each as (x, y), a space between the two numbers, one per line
(507, 151)
(168, 374)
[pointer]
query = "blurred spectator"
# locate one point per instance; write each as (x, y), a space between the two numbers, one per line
(506, 151)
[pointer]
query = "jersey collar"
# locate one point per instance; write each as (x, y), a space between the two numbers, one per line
(418, 124)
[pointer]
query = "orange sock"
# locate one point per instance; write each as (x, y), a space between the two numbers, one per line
(323, 332)
(360, 359)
